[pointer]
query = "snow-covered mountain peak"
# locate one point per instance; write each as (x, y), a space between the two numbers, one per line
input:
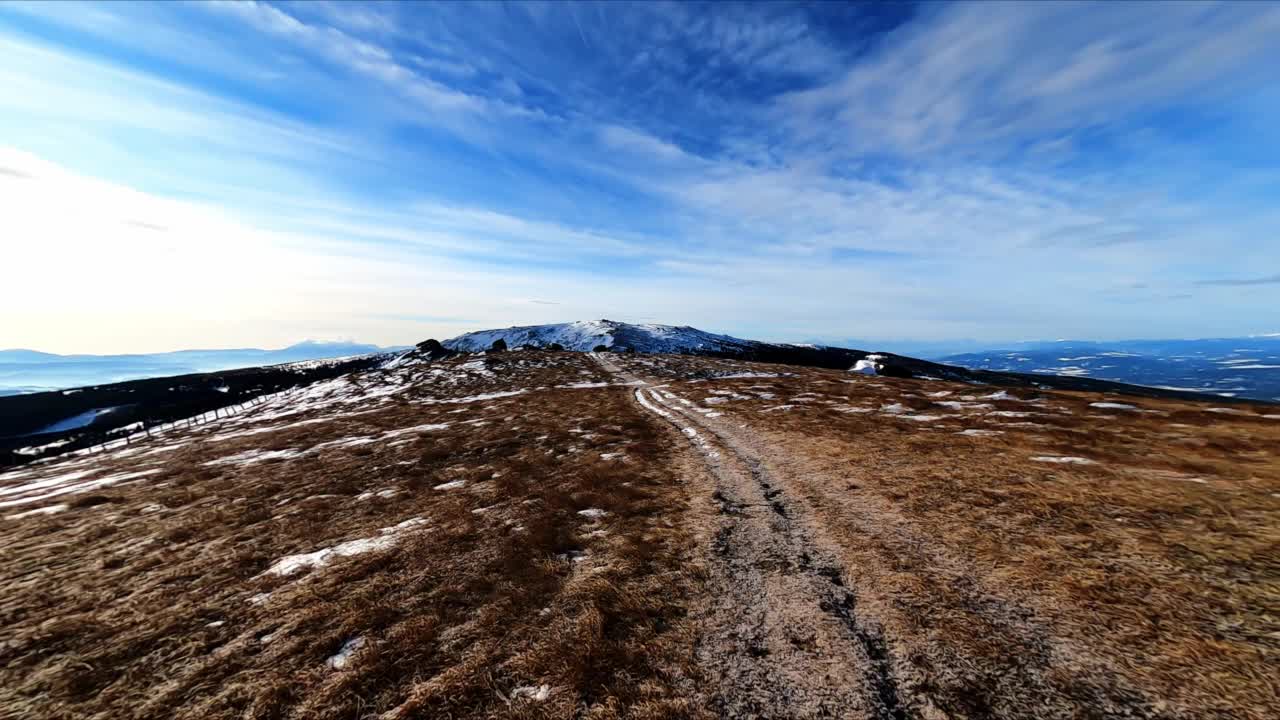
(585, 335)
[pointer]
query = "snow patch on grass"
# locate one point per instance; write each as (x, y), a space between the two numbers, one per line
(386, 538)
(1063, 460)
(1112, 406)
(46, 510)
(340, 660)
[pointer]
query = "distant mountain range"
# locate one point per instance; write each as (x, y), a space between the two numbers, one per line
(26, 371)
(1156, 380)
(57, 421)
(1246, 367)
(1229, 367)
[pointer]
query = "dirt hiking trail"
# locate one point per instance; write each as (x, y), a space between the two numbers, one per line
(782, 635)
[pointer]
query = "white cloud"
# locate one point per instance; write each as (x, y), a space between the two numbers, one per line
(633, 141)
(976, 73)
(890, 186)
(366, 58)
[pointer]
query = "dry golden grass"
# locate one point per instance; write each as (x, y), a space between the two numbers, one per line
(136, 602)
(1149, 579)
(1144, 584)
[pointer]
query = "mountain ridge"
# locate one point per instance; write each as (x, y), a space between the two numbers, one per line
(615, 336)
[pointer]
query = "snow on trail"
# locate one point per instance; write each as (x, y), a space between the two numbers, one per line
(650, 406)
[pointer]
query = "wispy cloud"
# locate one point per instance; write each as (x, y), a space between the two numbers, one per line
(760, 168)
(972, 74)
(1266, 280)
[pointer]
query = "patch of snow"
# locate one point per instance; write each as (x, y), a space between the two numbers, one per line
(60, 486)
(340, 660)
(592, 513)
(37, 449)
(1063, 460)
(47, 482)
(74, 422)
(387, 537)
(536, 694)
(975, 432)
(865, 367)
(415, 429)
(476, 398)
(646, 404)
(388, 493)
(46, 510)
(1112, 406)
(249, 457)
(454, 485)
(958, 405)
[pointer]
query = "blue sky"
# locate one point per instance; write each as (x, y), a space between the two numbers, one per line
(233, 174)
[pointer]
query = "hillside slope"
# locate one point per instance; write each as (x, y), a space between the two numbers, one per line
(556, 535)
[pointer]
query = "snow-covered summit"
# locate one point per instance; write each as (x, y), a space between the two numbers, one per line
(585, 335)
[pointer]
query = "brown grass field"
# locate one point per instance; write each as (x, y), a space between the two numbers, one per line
(514, 535)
